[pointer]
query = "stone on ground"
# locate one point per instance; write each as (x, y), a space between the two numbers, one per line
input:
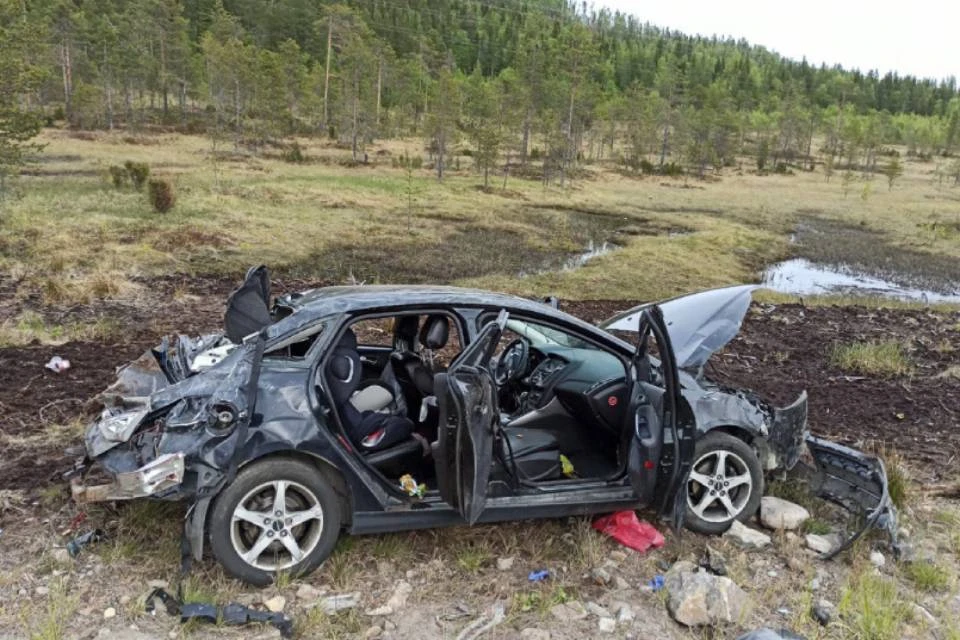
(822, 544)
(745, 537)
(697, 598)
(568, 611)
(777, 513)
(275, 604)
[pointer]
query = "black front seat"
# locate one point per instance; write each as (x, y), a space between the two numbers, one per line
(385, 437)
(433, 337)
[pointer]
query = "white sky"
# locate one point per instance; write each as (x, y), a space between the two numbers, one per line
(919, 37)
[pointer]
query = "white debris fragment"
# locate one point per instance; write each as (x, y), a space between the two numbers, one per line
(58, 364)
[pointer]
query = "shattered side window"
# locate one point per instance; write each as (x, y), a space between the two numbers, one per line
(296, 346)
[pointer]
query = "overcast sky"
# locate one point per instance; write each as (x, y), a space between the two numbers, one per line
(919, 37)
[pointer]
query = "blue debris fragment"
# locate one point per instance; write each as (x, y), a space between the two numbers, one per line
(539, 576)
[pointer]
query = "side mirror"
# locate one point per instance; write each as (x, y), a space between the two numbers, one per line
(551, 301)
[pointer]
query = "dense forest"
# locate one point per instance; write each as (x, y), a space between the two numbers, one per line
(509, 80)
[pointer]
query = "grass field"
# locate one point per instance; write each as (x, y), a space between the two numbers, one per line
(71, 236)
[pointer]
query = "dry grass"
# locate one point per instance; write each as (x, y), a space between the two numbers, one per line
(873, 608)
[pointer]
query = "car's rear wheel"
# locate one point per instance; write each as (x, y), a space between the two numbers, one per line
(277, 515)
(725, 483)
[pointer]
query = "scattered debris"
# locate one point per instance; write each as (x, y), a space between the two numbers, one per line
(745, 537)
(58, 364)
(504, 564)
(823, 611)
(697, 598)
(624, 613)
(412, 487)
(484, 623)
(777, 513)
(823, 544)
(656, 582)
(109, 612)
(340, 602)
(607, 625)
(232, 614)
(79, 542)
(770, 634)
(630, 531)
(714, 562)
(539, 576)
(398, 600)
(601, 576)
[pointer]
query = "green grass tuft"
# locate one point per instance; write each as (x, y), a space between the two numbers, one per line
(927, 576)
(872, 608)
(874, 358)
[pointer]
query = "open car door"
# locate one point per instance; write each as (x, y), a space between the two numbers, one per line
(660, 452)
(467, 402)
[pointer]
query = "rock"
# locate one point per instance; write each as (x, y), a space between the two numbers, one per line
(924, 614)
(714, 562)
(124, 599)
(373, 632)
(745, 537)
(624, 613)
(568, 611)
(158, 584)
(530, 633)
(607, 625)
(389, 625)
(598, 610)
(401, 592)
(903, 532)
(504, 564)
(275, 604)
(823, 611)
(308, 593)
(792, 538)
(340, 602)
(696, 599)
(822, 544)
(777, 513)
(772, 573)
(796, 564)
(620, 583)
(60, 555)
(601, 576)
(109, 612)
(380, 611)
(877, 559)
(618, 556)
(42, 591)
(22, 592)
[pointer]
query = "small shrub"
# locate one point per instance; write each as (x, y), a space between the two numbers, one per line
(535, 153)
(119, 176)
(161, 195)
(928, 576)
(139, 172)
(672, 169)
(294, 154)
(646, 166)
(781, 168)
(872, 608)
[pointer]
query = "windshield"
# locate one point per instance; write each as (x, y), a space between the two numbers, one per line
(541, 335)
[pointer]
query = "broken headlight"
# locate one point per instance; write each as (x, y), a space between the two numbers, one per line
(119, 428)
(223, 418)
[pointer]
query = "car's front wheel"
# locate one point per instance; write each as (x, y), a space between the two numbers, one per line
(277, 515)
(725, 483)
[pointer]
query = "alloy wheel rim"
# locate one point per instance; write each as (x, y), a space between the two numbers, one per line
(719, 486)
(276, 525)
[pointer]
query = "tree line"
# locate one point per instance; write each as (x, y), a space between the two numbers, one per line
(516, 82)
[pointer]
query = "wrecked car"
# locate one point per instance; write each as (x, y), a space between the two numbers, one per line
(370, 409)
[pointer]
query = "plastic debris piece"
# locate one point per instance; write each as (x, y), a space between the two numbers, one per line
(630, 531)
(484, 623)
(411, 486)
(82, 540)
(233, 614)
(539, 576)
(770, 634)
(656, 582)
(58, 364)
(567, 466)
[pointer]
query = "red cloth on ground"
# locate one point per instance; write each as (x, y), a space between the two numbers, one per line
(630, 531)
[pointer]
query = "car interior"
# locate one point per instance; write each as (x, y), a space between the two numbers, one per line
(561, 400)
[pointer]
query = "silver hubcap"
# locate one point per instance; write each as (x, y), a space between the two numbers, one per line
(719, 486)
(276, 525)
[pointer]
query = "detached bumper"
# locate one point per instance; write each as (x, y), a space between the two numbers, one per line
(163, 473)
(858, 483)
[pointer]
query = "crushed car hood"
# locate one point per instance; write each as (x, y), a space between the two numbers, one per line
(699, 324)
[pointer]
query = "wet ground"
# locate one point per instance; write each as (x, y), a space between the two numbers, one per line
(782, 350)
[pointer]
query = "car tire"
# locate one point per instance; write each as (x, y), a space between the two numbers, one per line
(715, 497)
(254, 537)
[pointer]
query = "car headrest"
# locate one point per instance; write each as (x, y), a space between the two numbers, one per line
(341, 367)
(405, 333)
(348, 340)
(343, 371)
(435, 332)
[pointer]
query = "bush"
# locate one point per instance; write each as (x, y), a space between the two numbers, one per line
(672, 169)
(119, 176)
(161, 195)
(139, 172)
(646, 166)
(535, 153)
(294, 154)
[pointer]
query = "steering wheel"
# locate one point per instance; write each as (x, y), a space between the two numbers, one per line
(512, 362)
